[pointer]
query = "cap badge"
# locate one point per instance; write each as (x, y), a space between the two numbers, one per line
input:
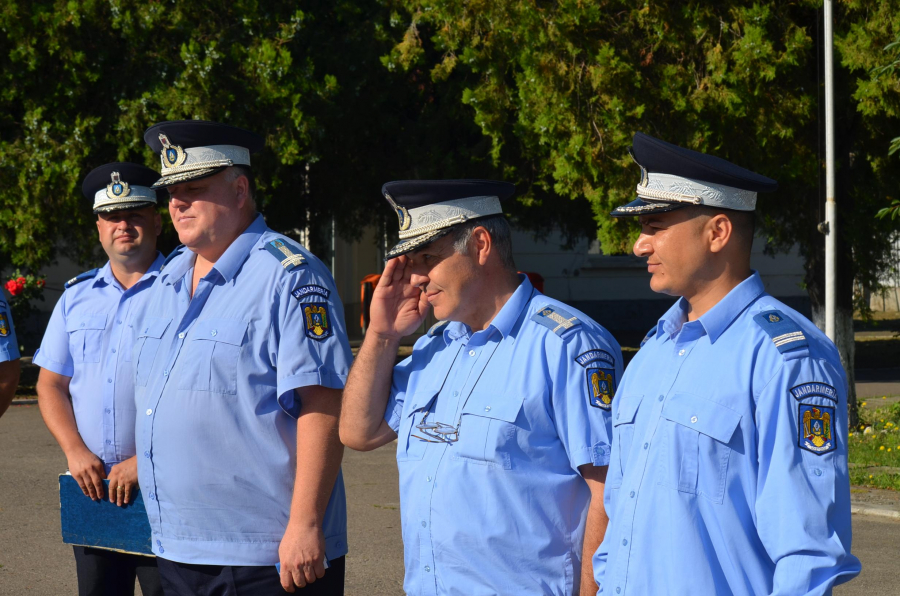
(117, 189)
(402, 213)
(171, 156)
(645, 178)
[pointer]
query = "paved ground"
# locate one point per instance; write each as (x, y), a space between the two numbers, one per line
(34, 561)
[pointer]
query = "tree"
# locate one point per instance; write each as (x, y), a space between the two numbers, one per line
(560, 87)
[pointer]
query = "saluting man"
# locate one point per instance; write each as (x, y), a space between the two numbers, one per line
(240, 357)
(729, 466)
(9, 357)
(86, 388)
(501, 413)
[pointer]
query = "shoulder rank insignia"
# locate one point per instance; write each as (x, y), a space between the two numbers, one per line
(785, 333)
(555, 319)
(649, 336)
(4, 325)
(808, 390)
(317, 320)
(178, 250)
(816, 432)
(289, 257)
(80, 278)
(438, 328)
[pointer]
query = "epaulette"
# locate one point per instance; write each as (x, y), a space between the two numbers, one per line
(438, 328)
(178, 250)
(649, 335)
(785, 333)
(81, 277)
(555, 319)
(288, 255)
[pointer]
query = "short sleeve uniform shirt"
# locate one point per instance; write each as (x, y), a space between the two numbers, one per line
(9, 347)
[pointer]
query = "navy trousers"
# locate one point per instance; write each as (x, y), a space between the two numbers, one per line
(108, 573)
(183, 579)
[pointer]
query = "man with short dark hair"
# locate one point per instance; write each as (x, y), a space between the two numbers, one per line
(729, 467)
(9, 357)
(86, 388)
(240, 357)
(501, 413)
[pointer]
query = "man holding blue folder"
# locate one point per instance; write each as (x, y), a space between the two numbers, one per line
(85, 389)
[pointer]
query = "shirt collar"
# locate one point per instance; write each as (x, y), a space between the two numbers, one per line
(106, 275)
(717, 319)
(230, 261)
(505, 319)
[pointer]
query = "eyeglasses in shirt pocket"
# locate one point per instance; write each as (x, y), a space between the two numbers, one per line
(487, 429)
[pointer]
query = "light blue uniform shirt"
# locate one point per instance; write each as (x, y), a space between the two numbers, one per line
(89, 339)
(729, 464)
(502, 511)
(9, 347)
(217, 414)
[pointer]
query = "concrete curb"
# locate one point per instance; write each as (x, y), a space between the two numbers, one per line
(875, 511)
(23, 402)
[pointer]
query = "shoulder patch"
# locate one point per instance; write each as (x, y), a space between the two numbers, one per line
(816, 429)
(178, 250)
(317, 320)
(601, 386)
(310, 290)
(649, 336)
(785, 333)
(555, 319)
(287, 254)
(437, 328)
(4, 322)
(593, 356)
(807, 390)
(82, 277)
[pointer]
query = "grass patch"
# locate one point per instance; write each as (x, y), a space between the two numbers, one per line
(874, 447)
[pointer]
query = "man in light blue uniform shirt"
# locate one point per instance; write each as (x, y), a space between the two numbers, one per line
(85, 388)
(9, 356)
(240, 357)
(501, 414)
(729, 467)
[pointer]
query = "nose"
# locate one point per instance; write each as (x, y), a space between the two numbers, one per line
(175, 201)
(642, 246)
(418, 280)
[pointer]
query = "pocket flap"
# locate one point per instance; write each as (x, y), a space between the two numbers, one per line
(420, 400)
(498, 406)
(81, 322)
(705, 416)
(154, 327)
(227, 331)
(626, 409)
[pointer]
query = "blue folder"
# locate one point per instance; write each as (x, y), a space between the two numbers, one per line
(101, 524)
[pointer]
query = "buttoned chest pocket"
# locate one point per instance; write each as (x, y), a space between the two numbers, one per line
(487, 429)
(411, 441)
(623, 435)
(86, 336)
(147, 345)
(212, 350)
(696, 445)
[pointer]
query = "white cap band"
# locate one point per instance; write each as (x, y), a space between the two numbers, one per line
(136, 194)
(214, 156)
(437, 216)
(669, 188)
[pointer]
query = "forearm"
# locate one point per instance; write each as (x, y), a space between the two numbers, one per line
(366, 395)
(595, 529)
(56, 409)
(9, 381)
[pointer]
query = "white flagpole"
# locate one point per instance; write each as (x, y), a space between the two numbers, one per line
(830, 204)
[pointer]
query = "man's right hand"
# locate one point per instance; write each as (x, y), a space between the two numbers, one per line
(87, 470)
(398, 307)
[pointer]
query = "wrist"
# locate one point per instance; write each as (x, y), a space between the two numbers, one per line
(382, 341)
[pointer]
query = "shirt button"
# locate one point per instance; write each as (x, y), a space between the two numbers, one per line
(471, 352)
(424, 524)
(662, 397)
(165, 373)
(108, 442)
(113, 350)
(146, 454)
(146, 330)
(631, 494)
(646, 445)
(487, 409)
(118, 322)
(428, 479)
(109, 380)
(681, 352)
(455, 393)
(693, 420)
(818, 472)
(82, 324)
(624, 542)
(214, 333)
(149, 411)
(618, 590)
(618, 415)
(152, 496)
(181, 335)
(108, 411)
(427, 569)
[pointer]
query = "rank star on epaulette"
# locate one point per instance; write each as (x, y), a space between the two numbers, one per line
(555, 319)
(816, 432)
(601, 387)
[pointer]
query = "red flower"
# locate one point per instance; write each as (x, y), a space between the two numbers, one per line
(20, 281)
(13, 288)
(40, 283)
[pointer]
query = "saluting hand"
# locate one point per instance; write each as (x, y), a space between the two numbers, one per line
(87, 470)
(398, 307)
(123, 475)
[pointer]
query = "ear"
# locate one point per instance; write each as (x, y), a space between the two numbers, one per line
(242, 190)
(720, 231)
(482, 243)
(157, 223)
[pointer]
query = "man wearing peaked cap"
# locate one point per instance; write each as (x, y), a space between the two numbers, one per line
(730, 426)
(240, 357)
(86, 385)
(501, 414)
